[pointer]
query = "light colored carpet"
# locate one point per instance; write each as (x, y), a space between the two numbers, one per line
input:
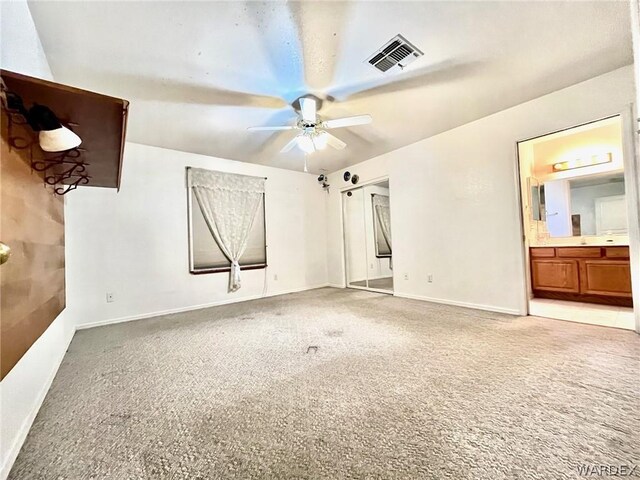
(379, 283)
(396, 389)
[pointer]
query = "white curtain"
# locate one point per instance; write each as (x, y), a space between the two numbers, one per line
(229, 204)
(383, 214)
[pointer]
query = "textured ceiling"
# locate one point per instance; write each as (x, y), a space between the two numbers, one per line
(198, 74)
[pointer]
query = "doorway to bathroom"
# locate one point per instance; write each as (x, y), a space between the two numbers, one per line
(576, 225)
(368, 240)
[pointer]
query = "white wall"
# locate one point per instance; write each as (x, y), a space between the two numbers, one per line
(20, 48)
(632, 182)
(455, 206)
(23, 389)
(134, 243)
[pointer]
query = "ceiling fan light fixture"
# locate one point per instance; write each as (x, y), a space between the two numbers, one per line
(306, 144)
(320, 140)
(313, 136)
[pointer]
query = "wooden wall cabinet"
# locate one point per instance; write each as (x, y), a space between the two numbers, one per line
(585, 274)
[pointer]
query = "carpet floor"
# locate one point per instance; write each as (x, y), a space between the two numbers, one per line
(339, 384)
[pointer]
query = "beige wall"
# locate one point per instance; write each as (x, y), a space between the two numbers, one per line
(578, 143)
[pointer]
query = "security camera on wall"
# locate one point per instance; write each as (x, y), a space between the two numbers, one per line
(324, 181)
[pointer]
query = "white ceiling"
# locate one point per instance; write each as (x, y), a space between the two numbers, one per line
(198, 74)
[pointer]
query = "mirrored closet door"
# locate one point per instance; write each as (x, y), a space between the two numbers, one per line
(367, 238)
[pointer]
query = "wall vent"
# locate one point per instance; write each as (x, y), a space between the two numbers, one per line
(397, 52)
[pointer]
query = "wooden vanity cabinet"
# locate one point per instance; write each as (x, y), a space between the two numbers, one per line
(556, 275)
(606, 277)
(585, 274)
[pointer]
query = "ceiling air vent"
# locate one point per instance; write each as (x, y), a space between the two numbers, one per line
(397, 52)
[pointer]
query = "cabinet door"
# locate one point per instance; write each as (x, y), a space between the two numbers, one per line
(606, 277)
(555, 275)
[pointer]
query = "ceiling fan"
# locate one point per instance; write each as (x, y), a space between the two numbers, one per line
(313, 134)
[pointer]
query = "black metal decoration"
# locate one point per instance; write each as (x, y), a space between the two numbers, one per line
(354, 179)
(346, 176)
(64, 171)
(73, 172)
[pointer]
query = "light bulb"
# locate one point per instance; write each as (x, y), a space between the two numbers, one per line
(306, 144)
(320, 140)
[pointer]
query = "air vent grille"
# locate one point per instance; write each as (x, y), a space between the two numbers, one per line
(396, 52)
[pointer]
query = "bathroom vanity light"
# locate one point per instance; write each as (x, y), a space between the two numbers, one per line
(583, 162)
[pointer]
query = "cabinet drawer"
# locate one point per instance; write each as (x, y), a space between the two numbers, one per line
(616, 252)
(555, 275)
(542, 252)
(579, 252)
(606, 277)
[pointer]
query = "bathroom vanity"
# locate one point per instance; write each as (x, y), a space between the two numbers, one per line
(593, 274)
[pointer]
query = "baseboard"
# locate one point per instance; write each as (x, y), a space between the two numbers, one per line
(336, 285)
(476, 306)
(18, 441)
(159, 313)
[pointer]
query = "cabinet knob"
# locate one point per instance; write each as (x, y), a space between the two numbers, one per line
(5, 253)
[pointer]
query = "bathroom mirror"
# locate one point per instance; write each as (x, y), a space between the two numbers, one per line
(536, 192)
(584, 206)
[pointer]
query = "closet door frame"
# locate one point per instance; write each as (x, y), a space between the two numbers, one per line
(345, 264)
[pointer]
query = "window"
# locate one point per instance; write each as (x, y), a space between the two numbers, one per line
(205, 255)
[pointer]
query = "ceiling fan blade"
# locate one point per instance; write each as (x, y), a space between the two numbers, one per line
(149, 88)
(308, 109)
(443, 72)
(290, 145)
(347, 121)
(335, 142)
(282, 127)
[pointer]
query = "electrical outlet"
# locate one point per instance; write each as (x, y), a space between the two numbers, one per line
(110, 298)
(406, 276)
(275, 277)
(430, 278)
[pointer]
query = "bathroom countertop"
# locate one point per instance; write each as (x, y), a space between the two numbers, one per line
(597, 244)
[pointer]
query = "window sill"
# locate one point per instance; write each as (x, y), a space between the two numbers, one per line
(202, 271)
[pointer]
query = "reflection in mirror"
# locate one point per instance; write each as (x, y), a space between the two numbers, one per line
(587, 205)
(381, 225)
(536, 190)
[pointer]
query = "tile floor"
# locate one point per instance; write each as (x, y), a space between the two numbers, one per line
(605, 315)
